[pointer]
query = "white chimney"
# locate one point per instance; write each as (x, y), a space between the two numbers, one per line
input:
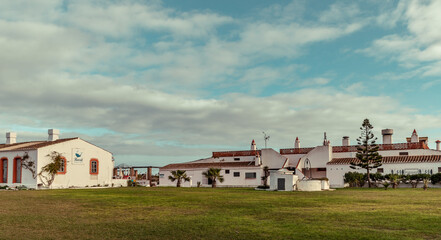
(11, 138)
(345, 141)
(297, 143)
(257, 160)
(387, 135)
(437, 145)
(414, 138)
(54, 134)
(253, 145)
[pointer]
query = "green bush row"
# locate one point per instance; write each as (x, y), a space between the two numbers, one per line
(356, 179)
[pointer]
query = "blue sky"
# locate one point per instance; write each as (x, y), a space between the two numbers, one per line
(157, 82)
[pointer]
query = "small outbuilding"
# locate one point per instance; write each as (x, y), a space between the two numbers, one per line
(283, 180)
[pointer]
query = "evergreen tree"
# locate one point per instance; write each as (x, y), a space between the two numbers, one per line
(367, 150)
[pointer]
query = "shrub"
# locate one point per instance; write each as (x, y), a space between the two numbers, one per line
(386, 185)
(435, 178)
(394, 179)
(355, 179)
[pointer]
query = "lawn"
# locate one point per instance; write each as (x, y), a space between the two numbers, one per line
(205, 213)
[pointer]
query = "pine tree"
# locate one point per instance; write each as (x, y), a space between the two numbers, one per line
(367, 150)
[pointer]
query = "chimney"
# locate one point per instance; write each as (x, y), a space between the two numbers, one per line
(414, 138)
(253, 145)
(297, 143)
(54, 134)
(387, 135)
(345, 141)
(11, 137)
(437, 145)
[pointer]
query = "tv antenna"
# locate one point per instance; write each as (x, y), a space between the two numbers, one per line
(266, 138)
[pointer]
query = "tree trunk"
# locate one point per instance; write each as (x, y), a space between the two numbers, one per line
(178, 184)
(213, 184)
(368, 178)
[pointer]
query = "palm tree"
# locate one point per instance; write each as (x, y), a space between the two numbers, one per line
(265, 176)
(178, 176)
(213, 174)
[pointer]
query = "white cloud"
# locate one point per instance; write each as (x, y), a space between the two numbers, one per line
(420, 47)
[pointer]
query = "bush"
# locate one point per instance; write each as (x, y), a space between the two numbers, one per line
(355, 179)
(386, 185)
(263, 187)
(435, 178)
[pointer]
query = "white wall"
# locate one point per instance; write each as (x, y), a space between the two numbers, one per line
(78, 173)
(229, 179)
(335, 173)
(26, 178)
(290, 180)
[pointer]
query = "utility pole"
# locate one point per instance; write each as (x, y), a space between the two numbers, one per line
(266, 138)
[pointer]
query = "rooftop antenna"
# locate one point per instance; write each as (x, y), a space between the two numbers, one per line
(266, 138)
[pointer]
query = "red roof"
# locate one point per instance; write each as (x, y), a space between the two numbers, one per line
(236, 153)
(31, 145)
(295, 150)
(209, 165)
(384, 147)
(389, 160)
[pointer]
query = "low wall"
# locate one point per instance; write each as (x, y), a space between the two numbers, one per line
(309, 185)
(119, 182)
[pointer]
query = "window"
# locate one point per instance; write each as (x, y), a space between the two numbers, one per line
(321, 169)
(161, 175)
(439, 169)
(236, 159)
(94, 166)
(236, 174)
(250, 175)
(63, 166)
(4, 170)
(17, 170)
(227, 171)
(404, 153)
(380, 170)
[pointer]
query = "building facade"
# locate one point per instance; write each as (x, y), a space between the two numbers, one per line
(239, 168)
(245, 168)
(83, 164)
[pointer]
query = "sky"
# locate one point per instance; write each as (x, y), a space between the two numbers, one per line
(158, 82)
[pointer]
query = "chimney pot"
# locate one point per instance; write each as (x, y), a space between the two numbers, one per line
(11, 137)
(387, 135)
(54, 134)
(345, 141)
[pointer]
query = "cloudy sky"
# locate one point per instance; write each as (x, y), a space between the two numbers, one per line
(157, 82)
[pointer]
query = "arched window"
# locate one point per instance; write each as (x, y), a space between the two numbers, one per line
(4, 170)
(63, 166)
(16, 173)
(94, 166)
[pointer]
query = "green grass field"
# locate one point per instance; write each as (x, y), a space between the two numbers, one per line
(204, 213)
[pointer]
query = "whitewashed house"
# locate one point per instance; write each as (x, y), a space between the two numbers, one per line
(332, 162)
(84, 163)
(239, 168)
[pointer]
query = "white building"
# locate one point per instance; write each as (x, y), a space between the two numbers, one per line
(239, 168)
(244, 168)
(84, 163)
(332, 162)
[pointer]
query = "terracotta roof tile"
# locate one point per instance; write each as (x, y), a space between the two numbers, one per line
(296, 150)
(392, 159)
(31, 145)
(236, 153)
(208, 165)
